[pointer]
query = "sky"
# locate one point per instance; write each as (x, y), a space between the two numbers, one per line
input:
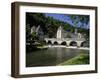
(65, 18)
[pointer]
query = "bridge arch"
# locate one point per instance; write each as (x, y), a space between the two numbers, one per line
(73, 43)
(55, 42)
(49, 42)
(63, 43)
(84, 44)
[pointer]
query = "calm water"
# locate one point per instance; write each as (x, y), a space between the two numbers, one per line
(51, 56)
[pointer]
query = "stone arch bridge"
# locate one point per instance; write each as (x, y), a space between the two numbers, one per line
(67, 41)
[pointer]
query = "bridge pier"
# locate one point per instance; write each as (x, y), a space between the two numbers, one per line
(79, 43)
(68, 43)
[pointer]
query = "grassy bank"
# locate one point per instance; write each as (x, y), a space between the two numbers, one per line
(80, 59)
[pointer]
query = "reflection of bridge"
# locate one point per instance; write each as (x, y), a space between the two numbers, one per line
(66, 41)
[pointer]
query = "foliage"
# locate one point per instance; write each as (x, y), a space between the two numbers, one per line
(49, 25)
(83, 19)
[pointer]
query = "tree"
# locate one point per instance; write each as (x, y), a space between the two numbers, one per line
(82, 19)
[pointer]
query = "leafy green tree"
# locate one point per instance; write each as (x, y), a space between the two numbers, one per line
(83, 19)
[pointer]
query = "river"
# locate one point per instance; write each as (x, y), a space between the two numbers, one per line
(51, 56)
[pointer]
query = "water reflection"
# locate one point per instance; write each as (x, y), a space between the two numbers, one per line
(51, 56)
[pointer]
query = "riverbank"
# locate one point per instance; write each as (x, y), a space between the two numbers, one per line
(71, 47)
(80, 59)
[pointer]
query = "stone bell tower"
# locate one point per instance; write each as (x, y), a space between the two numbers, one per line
(59, 33)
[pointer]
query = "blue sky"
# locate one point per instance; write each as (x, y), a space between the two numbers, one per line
(64, 18)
